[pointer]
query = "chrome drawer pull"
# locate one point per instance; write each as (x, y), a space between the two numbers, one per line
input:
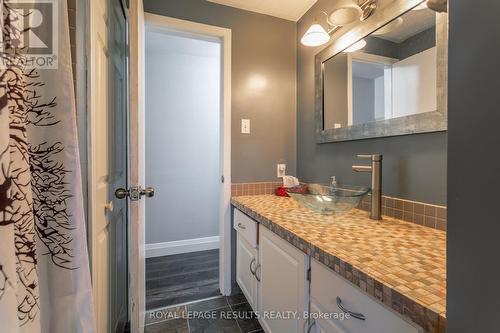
(352, 314)
(251, 270)
(256, 276)
(241, 226)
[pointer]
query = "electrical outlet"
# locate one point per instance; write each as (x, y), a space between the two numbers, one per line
(245, 126)
(281, 170)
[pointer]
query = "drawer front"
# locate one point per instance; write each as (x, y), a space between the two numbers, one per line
(246, 227)
(327, 285)
(324, 325)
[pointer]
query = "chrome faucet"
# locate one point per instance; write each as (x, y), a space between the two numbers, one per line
(376, 170)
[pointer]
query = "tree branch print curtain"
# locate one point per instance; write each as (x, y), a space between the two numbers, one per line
(44, 269)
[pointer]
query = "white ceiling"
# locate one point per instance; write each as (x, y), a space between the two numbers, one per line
(286, 9)
(415, 21)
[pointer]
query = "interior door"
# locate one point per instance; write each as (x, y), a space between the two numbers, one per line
(99, 163)
(136, 160)
(108, 163)
(118, 176)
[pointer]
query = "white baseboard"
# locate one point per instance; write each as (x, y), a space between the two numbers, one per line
(182, 246)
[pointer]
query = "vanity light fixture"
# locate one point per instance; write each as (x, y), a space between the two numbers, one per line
(356, 46)
(344, 12)
(316, 35)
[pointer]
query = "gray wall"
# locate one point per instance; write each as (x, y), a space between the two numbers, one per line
(417, 43)
(182, 98)
(473, 295)
(414, 165)
(262, 46)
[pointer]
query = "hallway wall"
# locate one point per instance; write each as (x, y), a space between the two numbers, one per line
(182, 137)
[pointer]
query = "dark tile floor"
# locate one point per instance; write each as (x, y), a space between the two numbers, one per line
(221, 314)
(181, 278)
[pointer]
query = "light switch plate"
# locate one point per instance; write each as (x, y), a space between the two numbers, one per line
(245, 126)
(281, 170)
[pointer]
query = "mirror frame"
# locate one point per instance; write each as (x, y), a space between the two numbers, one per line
(433, 121)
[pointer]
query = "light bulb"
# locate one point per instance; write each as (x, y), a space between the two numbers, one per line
(315, 36)
(356, 46)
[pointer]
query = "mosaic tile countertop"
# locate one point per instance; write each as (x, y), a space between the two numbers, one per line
(401, 264)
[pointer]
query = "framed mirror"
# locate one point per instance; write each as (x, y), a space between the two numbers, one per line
(386, 76)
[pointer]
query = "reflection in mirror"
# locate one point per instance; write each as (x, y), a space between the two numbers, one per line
(389, 74)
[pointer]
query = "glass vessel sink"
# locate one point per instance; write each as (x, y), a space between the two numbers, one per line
(328, 200)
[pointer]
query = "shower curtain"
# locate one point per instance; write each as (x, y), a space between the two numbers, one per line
(44, 269)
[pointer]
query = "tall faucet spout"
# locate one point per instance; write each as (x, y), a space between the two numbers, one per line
(361, 168)
(376, 179)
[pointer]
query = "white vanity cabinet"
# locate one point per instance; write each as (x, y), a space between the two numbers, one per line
(283, 286)
(330, 292)
(273, 275)
(246, 256)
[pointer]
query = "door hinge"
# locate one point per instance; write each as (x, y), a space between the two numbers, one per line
(309, 274)
(222, 179)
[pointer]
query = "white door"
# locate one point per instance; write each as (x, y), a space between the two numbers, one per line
(283, 283)
(107, 166)
(99, 164)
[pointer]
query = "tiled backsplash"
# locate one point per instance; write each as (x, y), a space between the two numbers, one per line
(428, 215)
(254, 188)
(432, 216)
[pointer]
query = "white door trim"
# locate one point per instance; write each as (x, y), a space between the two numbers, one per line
(137, 278)
(168, 24)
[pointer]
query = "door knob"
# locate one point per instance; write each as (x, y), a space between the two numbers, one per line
(149, 192)
(134, 193)
(121, 193)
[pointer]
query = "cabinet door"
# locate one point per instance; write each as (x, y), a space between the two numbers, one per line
(283, 284)
(246, 259)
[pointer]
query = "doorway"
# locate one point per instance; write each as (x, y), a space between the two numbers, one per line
(187, 160)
